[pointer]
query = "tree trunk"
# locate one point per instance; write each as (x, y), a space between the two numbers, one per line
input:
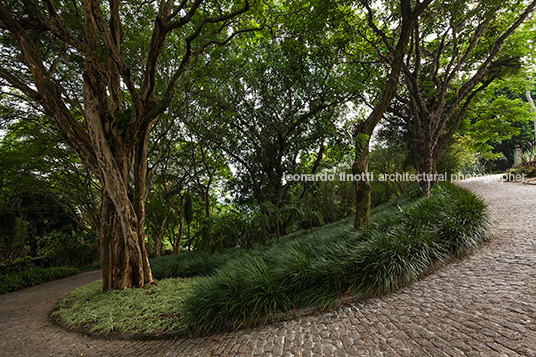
(159, 236)
(206, 198)
(426, 168)
(362, 185)
(533, 107)
(121, 257)
(364, 130)
(178, 240)
(124, 257)
(158, 243)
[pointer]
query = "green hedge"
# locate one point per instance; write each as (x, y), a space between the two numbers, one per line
(32, 276)
(404, 242)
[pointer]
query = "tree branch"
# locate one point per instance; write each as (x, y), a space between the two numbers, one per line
(49, 94)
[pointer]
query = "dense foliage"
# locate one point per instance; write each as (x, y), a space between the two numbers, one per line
(406, 239)
(402, 245)
(32, 276)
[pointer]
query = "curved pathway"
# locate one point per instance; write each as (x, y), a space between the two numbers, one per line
(484, 305)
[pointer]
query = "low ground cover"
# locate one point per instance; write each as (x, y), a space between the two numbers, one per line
(154, 309)
(32, 276)
(407, 238)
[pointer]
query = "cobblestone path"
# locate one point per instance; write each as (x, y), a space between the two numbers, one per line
(484, 305)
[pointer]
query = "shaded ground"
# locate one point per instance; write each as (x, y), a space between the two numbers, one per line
(484, 305)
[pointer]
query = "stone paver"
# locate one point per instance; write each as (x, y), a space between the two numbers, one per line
(483, 305)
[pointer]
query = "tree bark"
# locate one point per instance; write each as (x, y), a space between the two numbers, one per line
(533, 107)
(362, 186)
(120, 256)
(364, 130)
(426, 169)
(159, 236)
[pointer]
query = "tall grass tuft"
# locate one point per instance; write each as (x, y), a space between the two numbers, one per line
(405, 240)
(195, 263)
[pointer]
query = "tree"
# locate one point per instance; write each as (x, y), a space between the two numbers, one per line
(207, 168)
(281, 105)
(496, 115)
(457, 51)
(104, 74)
(164, 208)
(395, 46)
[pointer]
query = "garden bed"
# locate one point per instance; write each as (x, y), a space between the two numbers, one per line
(407, 238)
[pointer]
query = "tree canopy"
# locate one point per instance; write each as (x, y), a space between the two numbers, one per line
(144, 120)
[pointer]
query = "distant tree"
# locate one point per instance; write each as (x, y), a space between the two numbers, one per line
(458, 49)
(267, 114)
(34, 160)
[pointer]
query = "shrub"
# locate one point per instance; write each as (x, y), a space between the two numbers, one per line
(195, 263)
(528, 169)
(312, 270)
(14, 265)
(71, 249)
(32, 276)
(189, 264)
(529, 155)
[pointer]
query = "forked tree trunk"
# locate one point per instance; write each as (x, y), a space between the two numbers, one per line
(122, 237)
(364, 130)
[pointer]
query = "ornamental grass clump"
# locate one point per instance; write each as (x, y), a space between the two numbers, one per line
(404, 242)
(190, 264)
(196, 263)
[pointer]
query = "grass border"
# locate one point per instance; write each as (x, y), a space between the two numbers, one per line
(339, 300)
(121, 336)
(346, 300)
(34, 276)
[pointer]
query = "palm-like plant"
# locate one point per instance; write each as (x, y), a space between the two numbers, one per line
(529, 155)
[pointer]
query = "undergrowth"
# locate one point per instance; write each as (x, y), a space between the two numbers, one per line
(156, 308)
(32, 276)
(407, 238)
